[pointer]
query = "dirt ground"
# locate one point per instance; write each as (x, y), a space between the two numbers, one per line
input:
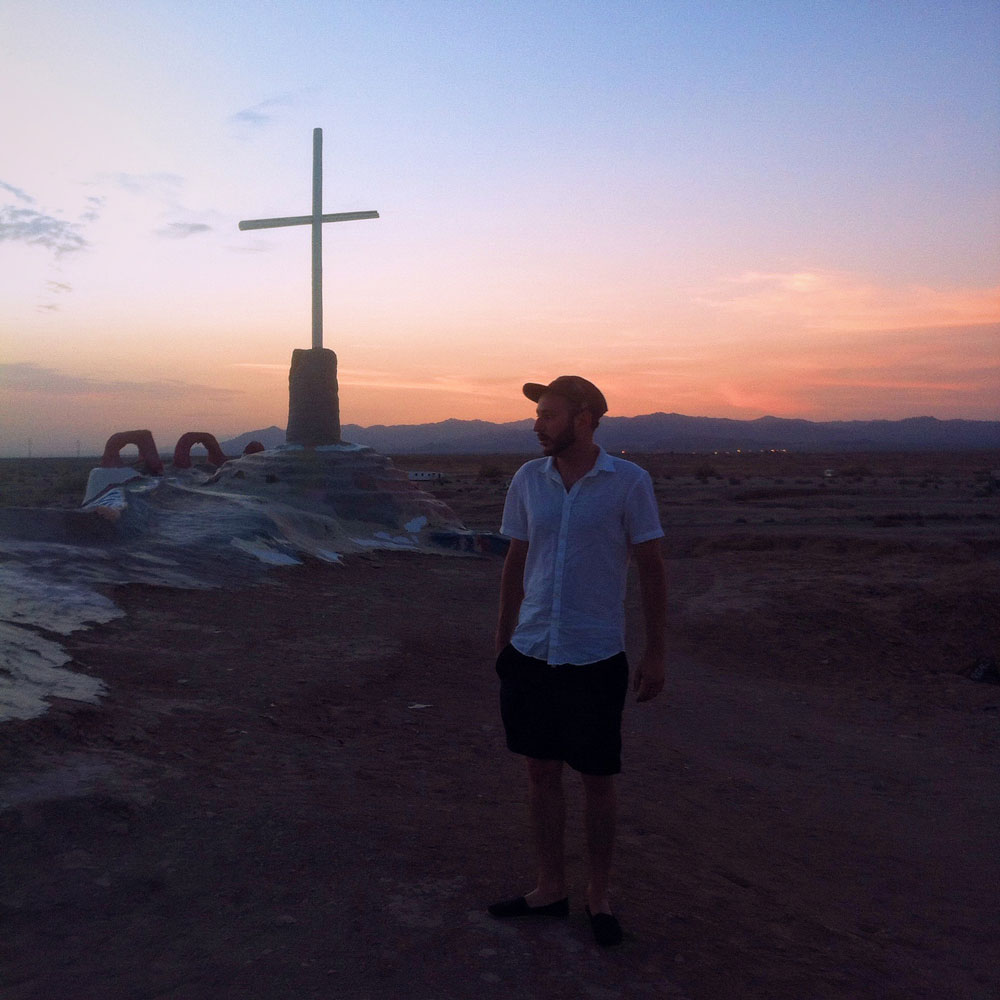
(300, 789)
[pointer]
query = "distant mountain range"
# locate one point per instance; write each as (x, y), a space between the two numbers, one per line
(667, 432)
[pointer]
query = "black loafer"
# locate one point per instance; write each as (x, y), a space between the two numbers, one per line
(519, 908)
(607, 930)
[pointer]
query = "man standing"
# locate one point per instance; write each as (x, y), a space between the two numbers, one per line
(574, 518)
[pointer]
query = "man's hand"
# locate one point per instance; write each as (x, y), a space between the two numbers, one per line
(647, 679)
(511, 592)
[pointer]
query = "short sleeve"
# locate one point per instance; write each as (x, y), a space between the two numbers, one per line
(642, 517)
(514, 523)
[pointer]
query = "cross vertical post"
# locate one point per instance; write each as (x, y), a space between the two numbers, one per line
(317, 240)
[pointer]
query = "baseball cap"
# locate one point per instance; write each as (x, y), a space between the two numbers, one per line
(574, 388)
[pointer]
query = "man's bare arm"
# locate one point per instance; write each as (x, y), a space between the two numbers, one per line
(511, 592)
(647, 681)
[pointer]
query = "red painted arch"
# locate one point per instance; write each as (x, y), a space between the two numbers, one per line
(143, 440)
(182, 453)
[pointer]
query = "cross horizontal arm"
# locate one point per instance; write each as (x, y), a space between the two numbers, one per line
(305, 220)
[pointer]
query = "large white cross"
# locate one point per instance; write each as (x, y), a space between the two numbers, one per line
(315, 220)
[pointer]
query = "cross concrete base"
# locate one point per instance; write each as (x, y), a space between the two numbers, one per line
(313, 398)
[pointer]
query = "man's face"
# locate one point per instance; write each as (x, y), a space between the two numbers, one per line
(555, 423)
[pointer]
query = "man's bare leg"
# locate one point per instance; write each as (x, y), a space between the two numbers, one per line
(600, 813)
(548, 820)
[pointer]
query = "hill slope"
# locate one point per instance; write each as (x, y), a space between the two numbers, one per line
(669, 432)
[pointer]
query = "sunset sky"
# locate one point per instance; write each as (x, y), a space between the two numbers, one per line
(725, 209)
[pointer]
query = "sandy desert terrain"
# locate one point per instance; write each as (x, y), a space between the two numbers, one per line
(299, 788)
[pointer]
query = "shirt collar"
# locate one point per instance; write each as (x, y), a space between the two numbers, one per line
(603, 463)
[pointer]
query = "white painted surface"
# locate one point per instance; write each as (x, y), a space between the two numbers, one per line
(100, 479)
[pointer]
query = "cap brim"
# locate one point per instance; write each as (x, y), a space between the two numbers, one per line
(534, 391)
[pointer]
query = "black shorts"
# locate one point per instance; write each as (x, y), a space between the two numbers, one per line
(571, 713)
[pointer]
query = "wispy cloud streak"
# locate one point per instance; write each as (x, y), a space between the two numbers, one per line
(182, 230)
(17, 192)
(34, 228)
(30, 378)
(163, 186)
(264, 113)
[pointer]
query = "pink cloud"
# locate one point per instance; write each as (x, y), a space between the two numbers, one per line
(842, 301)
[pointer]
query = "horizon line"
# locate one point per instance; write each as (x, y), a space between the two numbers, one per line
(527, 420)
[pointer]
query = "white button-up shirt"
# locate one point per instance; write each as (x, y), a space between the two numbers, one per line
(578, 551)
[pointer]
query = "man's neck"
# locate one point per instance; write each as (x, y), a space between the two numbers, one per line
(576, 461)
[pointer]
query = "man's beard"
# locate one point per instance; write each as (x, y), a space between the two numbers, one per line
(560, 443)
